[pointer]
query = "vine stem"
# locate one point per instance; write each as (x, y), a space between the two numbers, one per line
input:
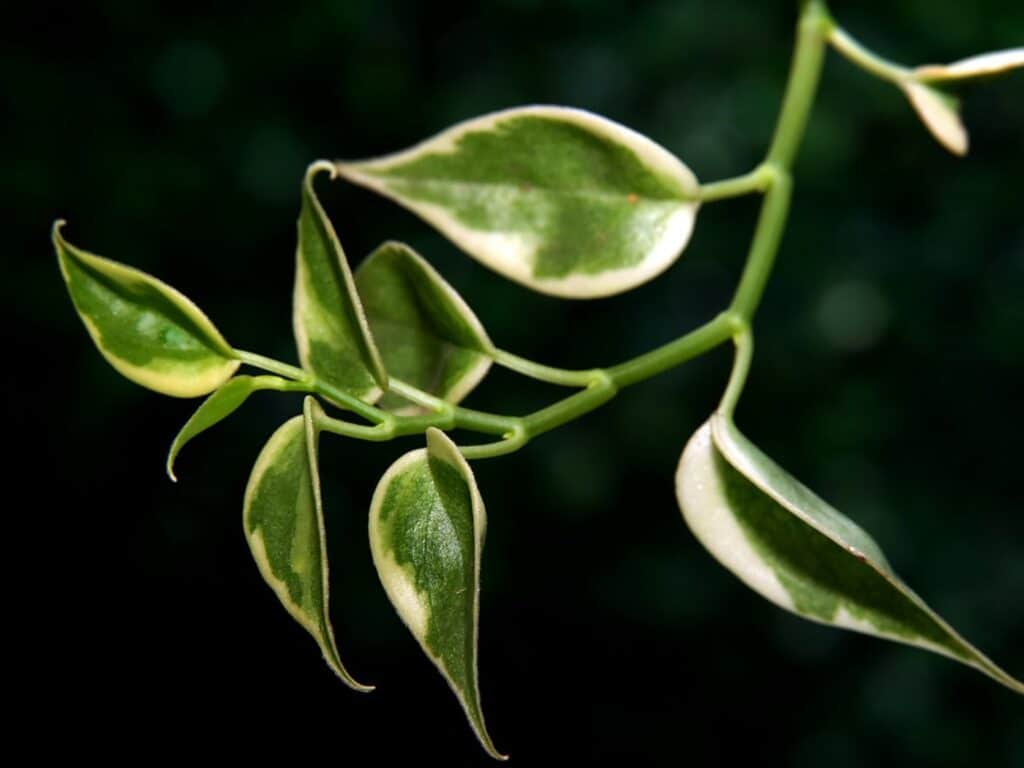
(773, 178)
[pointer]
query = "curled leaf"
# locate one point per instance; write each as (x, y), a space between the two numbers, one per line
(217, 407)
(284, 525)
(940, 114)
(793, 548)
(982, 65)
(151, 333)
(331, 331)
(427, 524)
(561, 200)
(428, 336)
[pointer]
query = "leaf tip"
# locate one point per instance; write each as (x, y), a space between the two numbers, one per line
(317, 166)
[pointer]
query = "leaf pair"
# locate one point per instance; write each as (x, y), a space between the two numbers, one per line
(396, 316)
(940, 112)
(427, 524)
(560, 200)
(787, 544)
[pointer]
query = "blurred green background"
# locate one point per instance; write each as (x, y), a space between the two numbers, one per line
(888, 377)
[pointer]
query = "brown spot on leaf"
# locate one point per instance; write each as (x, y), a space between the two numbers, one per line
(632, 198)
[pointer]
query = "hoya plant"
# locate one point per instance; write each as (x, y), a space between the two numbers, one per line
(569, 204)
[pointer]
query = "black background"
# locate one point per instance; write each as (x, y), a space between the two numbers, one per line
(887, 376)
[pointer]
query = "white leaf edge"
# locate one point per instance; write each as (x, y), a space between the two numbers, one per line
(511, 254)
(705, 509)
(400, 589)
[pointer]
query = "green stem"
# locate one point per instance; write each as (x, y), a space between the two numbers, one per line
(773, 178)
(559, 376)
(804, 74)
(865, 59)
(337, 396)
(598, 393)
(744, 341)
(755, 181)
(693, 344)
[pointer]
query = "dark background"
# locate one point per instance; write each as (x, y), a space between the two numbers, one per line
(888, 376)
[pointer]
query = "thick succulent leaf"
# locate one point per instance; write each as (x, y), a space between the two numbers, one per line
(427, 334)
(982, 65)
(427, 524)
(217, 407)
(561, 200)
(787, 544)
(940, 115)
(331, 331)
(284, 525)
(148, 331)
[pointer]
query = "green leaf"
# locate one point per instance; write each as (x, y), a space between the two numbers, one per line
(561, 200)
(149, 332)
(284, 525)
(427, 524)
(331, 332)
(218, 406)
(427, 334)
(793, 548)
(940, 114)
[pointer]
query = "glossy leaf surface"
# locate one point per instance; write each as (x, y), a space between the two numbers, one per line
(284, 526)
(561, 200)
(331, 331)
(427, 335)
(784, 542)
(149, 332)
(217, 407)
(427, 524)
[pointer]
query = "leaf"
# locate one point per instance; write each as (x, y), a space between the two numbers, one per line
(284, 525)
(427, 334)
(427, 524)
(940, 114)
(787, 544)
(563, 201)
(984, 64)
(217, 407)
(331, 332)
(149, 332)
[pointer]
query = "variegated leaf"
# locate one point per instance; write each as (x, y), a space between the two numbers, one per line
(149, 332)
(331, 331)
(428, 336)
(217, 407)
(561, 200)
(793, 548)
(427, 524)
(284, 525)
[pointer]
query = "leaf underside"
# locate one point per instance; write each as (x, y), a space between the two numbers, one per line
(427, 335)
(793, 548)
